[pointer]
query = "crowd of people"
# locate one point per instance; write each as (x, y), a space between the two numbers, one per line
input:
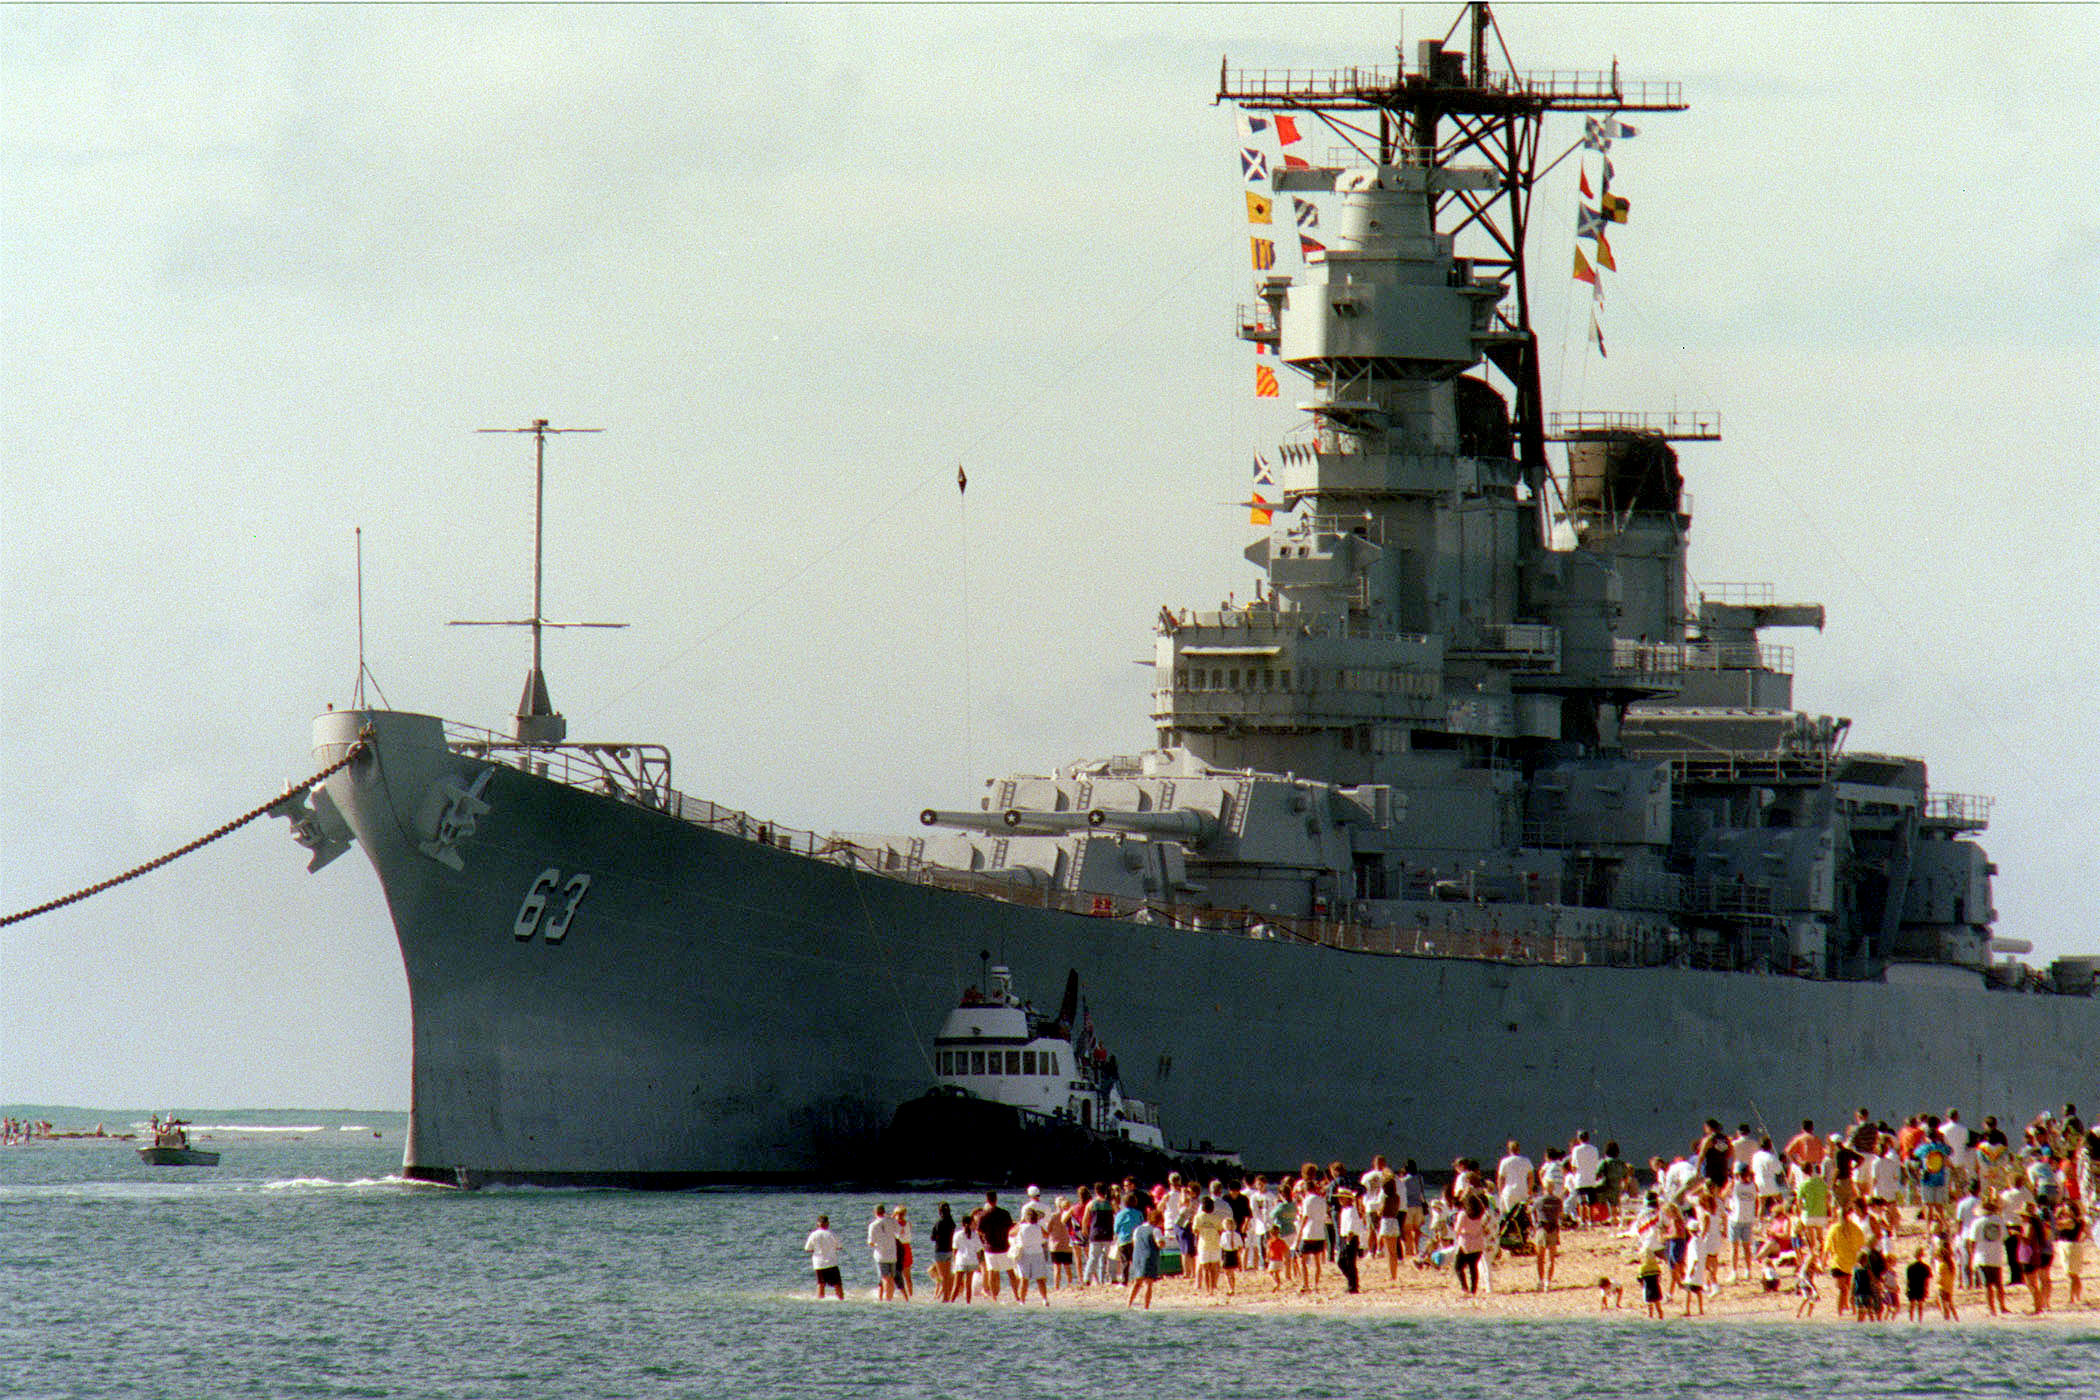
(14, 1130)
(1892, 1221)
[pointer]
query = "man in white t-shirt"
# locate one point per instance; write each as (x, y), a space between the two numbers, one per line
(882, 1243)
(1742, 1222)
(1987, 1235)
(1768, 1172)
(1513, 1178)
(822, 1247)
(1584, 1162)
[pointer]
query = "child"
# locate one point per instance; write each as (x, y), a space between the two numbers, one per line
(1917, 1277)
(1610, 1295)
(1144, 1260)
(1805, 1290)
(1945, 1279)
(1650, 1274)
(969, 1253)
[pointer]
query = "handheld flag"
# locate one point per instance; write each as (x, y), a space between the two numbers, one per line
(1583, 271)
(1287, 130)
(1264, 382)
(1254, 165)
(1258, 208)
(1264, 254)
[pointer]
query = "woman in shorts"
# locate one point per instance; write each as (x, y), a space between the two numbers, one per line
(1058, 1231)
(942, 1238)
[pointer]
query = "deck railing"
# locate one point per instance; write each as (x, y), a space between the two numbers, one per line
(1427, 927)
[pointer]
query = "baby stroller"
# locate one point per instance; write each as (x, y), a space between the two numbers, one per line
(1515, 1237)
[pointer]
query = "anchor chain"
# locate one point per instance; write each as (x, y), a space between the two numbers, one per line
(356, 750)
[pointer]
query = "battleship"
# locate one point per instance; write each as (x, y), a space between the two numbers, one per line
(1476, 822)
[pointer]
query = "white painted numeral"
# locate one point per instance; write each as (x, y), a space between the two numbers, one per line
(528, 920)
(534, 907)
(571, 896)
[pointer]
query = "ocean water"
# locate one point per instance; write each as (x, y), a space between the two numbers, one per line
(303, 1266)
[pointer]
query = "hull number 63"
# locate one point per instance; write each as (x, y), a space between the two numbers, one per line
(548, 890)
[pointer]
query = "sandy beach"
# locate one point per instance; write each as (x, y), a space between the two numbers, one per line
(1510, 1290)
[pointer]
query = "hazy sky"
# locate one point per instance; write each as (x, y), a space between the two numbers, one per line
(265, 270)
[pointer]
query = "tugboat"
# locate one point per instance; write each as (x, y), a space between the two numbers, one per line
(171, 1147)
(1018, 1094)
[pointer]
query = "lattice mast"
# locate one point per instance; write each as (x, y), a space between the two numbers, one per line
(1458, 111)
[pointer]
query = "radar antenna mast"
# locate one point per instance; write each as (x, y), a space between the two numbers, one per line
(1393, 116)
(537, 720)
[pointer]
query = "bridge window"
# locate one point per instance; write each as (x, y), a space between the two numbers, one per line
(1028, 1062)
(1013, 1062)
(977, 1062)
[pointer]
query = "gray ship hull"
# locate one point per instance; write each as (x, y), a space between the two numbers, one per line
(718, 1009)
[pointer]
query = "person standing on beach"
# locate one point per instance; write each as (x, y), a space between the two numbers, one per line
(1350, 1234)
(1987, 1239)
(1514, 1178)
(942, 1238)
(969, 1255)
(882, 1243)
(1128, 1219)
(1100, 1236)
(1583, 1163)
(904, 1253)
(822, 1247)
(1805, 1150)
(1546, 1212)
(1312, 1230)
(1144, 1254)
(1847, 1242)
(995, 1227)
(1469, 1238)
(1742, 1222)
(1768, 1171)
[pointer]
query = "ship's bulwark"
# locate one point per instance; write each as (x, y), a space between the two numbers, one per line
(718, 1009)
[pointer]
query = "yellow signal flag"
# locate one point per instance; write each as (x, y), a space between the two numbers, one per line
(1604, 257)
(1583, 271)
(1264, 382)
(1260, 514)
(1614, 206)
(1260, 208)
(1264, 253)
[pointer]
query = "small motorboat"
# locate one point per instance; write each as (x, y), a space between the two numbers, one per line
(171, 1147)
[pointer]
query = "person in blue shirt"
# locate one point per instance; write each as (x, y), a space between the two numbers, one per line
(1935, 1161)
(1144, 1259)
(1128, 1219)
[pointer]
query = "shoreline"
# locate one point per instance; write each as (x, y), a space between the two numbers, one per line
(1586, 1255)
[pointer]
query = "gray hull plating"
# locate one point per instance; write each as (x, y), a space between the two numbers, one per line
(719, 1009)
